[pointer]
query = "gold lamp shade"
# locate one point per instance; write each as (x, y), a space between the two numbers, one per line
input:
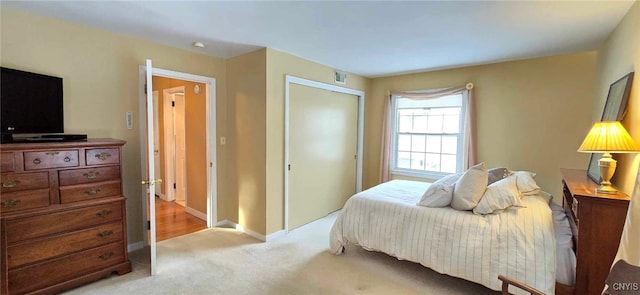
(608, 137)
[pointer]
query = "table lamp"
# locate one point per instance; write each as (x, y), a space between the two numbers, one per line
(608, 137)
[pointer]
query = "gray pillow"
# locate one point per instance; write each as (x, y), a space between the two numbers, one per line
(496, 174)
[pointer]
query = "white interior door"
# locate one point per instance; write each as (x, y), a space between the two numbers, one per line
(179, 129)
(323, 131)
(149, 180)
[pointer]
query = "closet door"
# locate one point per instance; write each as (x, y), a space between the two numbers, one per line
(322, 152)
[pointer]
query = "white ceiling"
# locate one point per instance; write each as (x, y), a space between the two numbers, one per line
(367, 38)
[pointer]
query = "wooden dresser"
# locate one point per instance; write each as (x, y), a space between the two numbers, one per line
(596, 221)
(62, 215)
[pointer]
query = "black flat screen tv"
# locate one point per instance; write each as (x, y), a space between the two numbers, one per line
(30, 103)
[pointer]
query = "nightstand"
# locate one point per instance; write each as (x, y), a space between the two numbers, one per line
(596, 222)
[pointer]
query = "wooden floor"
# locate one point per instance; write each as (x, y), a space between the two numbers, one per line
(172, 221)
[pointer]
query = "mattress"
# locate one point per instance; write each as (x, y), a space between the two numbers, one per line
(519, 243)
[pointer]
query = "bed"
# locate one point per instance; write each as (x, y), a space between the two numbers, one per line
(518, 243)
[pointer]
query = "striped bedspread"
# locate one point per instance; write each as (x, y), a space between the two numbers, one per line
(519, 243)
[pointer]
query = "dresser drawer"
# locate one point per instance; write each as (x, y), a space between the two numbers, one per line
(90, 191)
(12, 182)
(7, 162)
(65, 221)
(30, 278)
(23, 200)
(89, 175)
(50, 159)
(25, 253)
(102, 156)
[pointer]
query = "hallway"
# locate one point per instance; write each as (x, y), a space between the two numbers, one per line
(172, 221)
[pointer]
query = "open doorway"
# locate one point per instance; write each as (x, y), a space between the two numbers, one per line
(181, 199)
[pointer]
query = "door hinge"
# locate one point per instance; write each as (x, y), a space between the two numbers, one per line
(149, 224)
(289, 167)
(174, 186)
(173, 103)
(145, 88)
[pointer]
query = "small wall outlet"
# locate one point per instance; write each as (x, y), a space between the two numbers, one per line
(223, 140)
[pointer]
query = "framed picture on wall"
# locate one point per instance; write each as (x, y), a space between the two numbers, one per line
(614, 110)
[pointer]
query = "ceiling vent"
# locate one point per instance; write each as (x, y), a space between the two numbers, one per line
(341, 77)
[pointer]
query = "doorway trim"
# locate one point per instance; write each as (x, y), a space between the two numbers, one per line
(315, 84)
(211, 142)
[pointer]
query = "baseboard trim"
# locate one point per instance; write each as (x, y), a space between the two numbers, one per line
(195, 213)
(162, 196)
(135, 246)
(268, 238)
(277, 235)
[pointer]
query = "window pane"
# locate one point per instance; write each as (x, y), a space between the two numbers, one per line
(427, 134)
(449, 145)
(451, 124)
(449, 163)
(403, 160)
(420, 124)
(404, 143)
(433, 144)
(405, 124)
(434, 124)
(432, 162)
(417, 161)
(417, 143)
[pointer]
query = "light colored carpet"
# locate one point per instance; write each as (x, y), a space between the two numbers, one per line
(224, 261)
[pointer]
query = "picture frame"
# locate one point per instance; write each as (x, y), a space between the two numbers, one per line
(615, 109)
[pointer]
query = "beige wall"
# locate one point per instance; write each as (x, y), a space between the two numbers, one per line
(619, 55)
(195, 132)
(279, 65)
(531, 114)
(247, 133)
(100, 72)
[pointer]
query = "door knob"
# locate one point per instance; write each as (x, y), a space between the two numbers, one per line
(150, 182)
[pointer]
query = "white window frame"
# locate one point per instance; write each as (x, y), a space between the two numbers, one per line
(426, 174)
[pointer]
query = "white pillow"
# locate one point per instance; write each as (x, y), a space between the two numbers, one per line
(469, 188)
(526, 185)
(440, 193)
(499, 195)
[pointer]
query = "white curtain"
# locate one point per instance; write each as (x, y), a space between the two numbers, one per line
(469, 145)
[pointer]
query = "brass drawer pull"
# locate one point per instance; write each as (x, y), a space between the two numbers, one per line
(10, 183)
(106, 256)
(10, 203)
(52, 153)
(105, 233)
(67, 159)
(103, 213)
(92, 192)
(91, 174)
(103, 156)
(37, 161)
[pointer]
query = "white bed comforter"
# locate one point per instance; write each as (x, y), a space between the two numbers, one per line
(519, 243)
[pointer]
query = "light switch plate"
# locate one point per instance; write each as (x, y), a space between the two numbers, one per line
(129, 120)
(223, 140)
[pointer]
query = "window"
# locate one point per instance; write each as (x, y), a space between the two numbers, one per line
(427, 136)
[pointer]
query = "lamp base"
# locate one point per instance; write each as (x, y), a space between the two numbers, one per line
(607, 167)
(606, 189)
